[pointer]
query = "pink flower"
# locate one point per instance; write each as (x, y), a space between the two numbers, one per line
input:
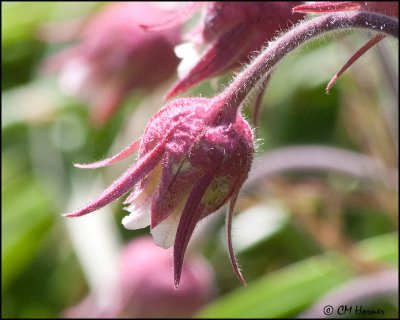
(145, 281)
(194, 156)
(233, 31)
(196, 153)
(144, 289)
(114, 56)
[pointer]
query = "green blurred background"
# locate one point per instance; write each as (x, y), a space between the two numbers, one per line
(320, 229)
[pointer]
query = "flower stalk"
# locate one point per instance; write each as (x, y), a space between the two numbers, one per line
(196, 153)
(263, 64)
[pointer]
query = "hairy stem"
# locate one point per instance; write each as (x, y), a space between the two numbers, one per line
(233, 96)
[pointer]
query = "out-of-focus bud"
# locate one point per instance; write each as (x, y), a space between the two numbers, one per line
(144, 286)
(114, 56)
(145, 282)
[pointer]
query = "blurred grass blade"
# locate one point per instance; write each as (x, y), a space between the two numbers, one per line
(27, 216)
(286, 292)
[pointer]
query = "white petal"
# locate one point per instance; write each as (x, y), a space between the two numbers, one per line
(164, 234)
(138, 218)
(189, 55)
(139, 202)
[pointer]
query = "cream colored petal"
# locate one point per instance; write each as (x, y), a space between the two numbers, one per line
(189, 54)
(137, 219)
(139, 202)
(141, 196)
(164, 234)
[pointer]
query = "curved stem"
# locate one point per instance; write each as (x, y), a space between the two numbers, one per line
(232, 97)
(321, 158)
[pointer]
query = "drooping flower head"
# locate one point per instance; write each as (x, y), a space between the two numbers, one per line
(196, 153)
(114, 56)
(232, 31)
(144, 281)
(194, 156)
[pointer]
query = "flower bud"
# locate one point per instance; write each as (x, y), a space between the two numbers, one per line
(194, 156)
(114, 56)
(233, 31)
(143, 287)
(145, 276)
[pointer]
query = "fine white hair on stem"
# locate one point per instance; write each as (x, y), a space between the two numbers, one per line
(240, 87)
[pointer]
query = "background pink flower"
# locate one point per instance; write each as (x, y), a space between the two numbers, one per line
(113, 56)
(144, 285)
